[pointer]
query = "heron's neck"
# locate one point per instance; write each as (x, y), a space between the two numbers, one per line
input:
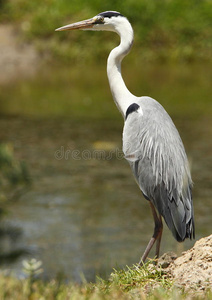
(121, 95)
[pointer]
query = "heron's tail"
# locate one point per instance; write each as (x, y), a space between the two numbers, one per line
(177, 212)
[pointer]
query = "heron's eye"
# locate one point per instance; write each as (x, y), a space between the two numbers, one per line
(99, 19)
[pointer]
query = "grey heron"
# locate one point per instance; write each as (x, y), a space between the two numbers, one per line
(151, 142)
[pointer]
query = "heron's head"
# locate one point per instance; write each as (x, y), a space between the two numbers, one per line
(108, 20)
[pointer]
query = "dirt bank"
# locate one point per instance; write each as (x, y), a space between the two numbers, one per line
(192, 270)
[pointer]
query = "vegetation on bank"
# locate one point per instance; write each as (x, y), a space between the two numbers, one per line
(164, 30)
(143, 283)
(14, 174)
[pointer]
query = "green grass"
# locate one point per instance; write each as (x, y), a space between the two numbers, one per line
(164, 30)
(147, 282)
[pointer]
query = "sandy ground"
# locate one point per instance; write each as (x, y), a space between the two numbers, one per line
(193, 269)
(17, 59)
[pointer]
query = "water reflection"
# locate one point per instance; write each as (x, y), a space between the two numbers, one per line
(87, 215)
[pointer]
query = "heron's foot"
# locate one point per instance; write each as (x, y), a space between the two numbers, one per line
(154, 261)
(141, 263)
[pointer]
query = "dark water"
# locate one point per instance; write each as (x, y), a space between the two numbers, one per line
(83, 213)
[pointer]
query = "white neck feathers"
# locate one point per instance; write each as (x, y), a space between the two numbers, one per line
(122, 96)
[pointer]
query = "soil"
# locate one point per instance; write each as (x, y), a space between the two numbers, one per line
(193, 269)
(17, 59)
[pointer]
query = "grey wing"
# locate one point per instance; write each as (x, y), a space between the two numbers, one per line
(154, 149)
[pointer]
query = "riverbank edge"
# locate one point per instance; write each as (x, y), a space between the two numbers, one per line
(167, 280)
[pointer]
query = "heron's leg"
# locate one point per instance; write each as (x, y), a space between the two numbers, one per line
(156, 235)
(159, 237)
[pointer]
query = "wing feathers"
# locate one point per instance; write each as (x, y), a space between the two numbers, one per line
(153, 147)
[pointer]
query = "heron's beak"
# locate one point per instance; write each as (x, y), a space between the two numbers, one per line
(79, 25)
